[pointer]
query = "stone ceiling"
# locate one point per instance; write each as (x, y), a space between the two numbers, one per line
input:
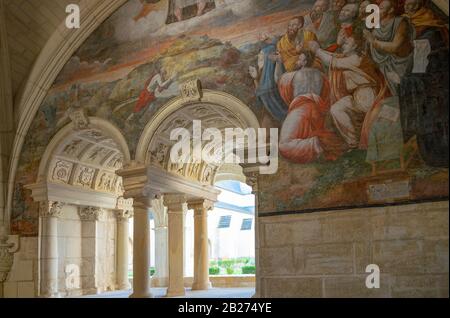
(89, 160)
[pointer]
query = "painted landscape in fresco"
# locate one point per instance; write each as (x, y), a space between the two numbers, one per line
(353, 130)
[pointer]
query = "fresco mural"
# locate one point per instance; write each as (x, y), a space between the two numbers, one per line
(360, 119)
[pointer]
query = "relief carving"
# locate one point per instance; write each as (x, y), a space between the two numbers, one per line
(72, 148)
(90, 213)
(61, 171)
(158, 155)
(191, 90)
(85, 176)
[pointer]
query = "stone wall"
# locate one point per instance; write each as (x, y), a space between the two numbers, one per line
(90, 246)
(325, 254)
(21, 281)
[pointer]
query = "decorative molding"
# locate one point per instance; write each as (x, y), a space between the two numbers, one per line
(167, 182)
(191, 91)
(50, 209)
(90, 213)
(59, 192)
(124, 204)
(244, 118)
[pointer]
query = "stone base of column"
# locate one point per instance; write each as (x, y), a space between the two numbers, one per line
(160, 281)
(123, 287)
(201, 286)
(142, 295)
(176, 293)
(58, 295)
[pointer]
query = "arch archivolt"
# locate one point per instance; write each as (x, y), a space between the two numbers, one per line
(79, 165)
(213, 109)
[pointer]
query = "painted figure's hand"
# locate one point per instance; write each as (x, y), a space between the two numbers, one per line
(276, 57)
(313, 46)
(253, 72)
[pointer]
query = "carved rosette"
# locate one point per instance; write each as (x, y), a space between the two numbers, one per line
(90, 213)
(50, 209)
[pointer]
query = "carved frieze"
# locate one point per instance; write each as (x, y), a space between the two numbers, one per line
(84, 176)
(73, 148)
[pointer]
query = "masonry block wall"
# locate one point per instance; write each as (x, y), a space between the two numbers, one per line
(325, 254)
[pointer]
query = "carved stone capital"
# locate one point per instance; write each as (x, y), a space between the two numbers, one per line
(252, 180)
(123, 215)
(90, 213)
(175, 202)
(201, 206)
(50, 209)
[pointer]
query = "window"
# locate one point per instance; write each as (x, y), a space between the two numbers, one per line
(224, 222)
(246, 224)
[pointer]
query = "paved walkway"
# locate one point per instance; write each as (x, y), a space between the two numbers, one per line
(212, 293)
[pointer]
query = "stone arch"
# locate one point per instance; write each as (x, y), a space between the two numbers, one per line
(95, 124)
(79, 166)
(212, 107)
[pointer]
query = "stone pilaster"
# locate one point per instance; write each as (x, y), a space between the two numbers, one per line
(49, 212)
(161, 243)
(122, 217)
(89, 248)
(252, 181)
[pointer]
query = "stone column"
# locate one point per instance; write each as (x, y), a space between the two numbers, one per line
(174, 203)
(49, 212)
(141, 250)
(161, 243)
(252, 180)
(201, 253)
(89, 249)
(123, 283)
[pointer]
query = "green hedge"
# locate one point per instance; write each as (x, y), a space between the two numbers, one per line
(246, 270)
(214, 271)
